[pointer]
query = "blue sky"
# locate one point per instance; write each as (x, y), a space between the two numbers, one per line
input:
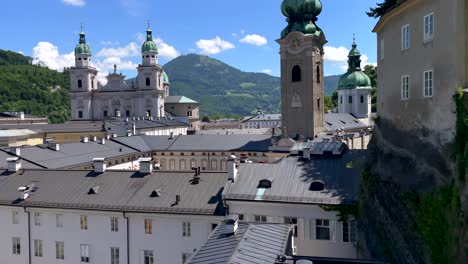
(241, 33)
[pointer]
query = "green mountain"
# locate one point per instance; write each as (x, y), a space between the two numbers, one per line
(33, 89)
(224, 90)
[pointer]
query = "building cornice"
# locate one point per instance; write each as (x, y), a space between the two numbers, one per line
(396, 10)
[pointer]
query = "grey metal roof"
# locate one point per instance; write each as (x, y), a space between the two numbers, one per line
(73, 154)
(68, 127)
(146, 123)
(345, 121)
(199, 143)
(5, 155)
(252, 243)
(320, 148)
(117, 191)
(292, 176)
(262, 117)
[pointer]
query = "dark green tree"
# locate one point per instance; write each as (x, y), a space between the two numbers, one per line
(381, 8)
(371, 71)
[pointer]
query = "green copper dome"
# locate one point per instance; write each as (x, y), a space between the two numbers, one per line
(301, 16)
(149, 45)
(165, 78)
(82, 48)
(310, 28)
(354, 77)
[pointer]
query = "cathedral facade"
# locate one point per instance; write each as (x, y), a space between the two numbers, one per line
(143, 97)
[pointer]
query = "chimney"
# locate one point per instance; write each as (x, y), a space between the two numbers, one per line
(134, 129)
(230, 226)
(284, 132)
(108, 136)
(146, 167)
(103, 141)
(232, 168)
(54, 146)
(114, 135)
(306, 153)
(21, 115)
(171, 135)
(99, 165)
(126, 119)
(94, 138)
(16, 151)
(129, 134)
(177, 199)
(85, 139)
(13, 164)
(117, 113)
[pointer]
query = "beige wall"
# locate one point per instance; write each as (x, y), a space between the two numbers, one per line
(445, 55)
(181, 109)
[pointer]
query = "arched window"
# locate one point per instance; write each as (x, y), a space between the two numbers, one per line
(127, 113)
(171, 164)
(80, 84)
(116, 112)
(92, 84)
(264, 184)
(362, 99)
(318, 74)
(214, 164)
(148, 112)
(80, 114)
(148, 81)
(193, 163)
(341, 99)
(318, 103)
(182, 165)
(296, 74)
(317, 186)
(105, 113)
(350, 99)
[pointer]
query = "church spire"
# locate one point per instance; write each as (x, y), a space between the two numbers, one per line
(354, 61)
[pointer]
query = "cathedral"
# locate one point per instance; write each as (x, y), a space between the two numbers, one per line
(143, 97)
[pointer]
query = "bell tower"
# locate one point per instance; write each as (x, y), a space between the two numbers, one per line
(301, 52)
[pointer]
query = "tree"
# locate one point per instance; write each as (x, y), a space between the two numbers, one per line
(206, 119)
(381, 8)
(328, 103)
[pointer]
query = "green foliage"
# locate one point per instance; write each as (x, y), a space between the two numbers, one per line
(223, 90)
(328, 103)
(461, 136)
(33, 89)
(344, 210)
(381, 8)
(371, 71)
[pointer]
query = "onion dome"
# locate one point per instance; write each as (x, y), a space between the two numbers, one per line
(165, 78)
(310, 28)
(312, 7)
(82, 48)
(300, 15)
(149, 45)
(354, 77)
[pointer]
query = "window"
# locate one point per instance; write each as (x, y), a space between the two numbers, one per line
(148, 112)
(292, 221)
(105, 113)
(214, 164)
(382, 49)
(80, 84)
(148, 226)
(148, 81)
(428, 27)
(148, 257)
(318, 103)
(362, 99)
(341, 99)
(182, 165)
(92, 84)
(37, 219)
(59, 220)
(405, 37)
(241, 217)
(84, 222)
(322, 229)
(264, 184)
(189, 113)
(15, 217)
(296, 74)
(59, 250)
(317, 72)
(38, 248)
(16, 245)
(127, 113)
(260, 218)
(428, 83)
(115, 255)
(80, 114)
(204, 164)
(114, 224)
(84, 253)
(350, 99)
(186, 226)
(317, 186)
(404, 87)
(349, 231)
(185, 257)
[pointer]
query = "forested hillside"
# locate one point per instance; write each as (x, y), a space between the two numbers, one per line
(33, 89)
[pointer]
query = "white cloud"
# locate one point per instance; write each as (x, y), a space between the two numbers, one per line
(131, 50)
(254, 39)
(48, 54)
(107, 65)
(79, 3)
(109, 43)
(20, 52)
(165, 50)
(339, 57)
(267, 71)
(213, 46)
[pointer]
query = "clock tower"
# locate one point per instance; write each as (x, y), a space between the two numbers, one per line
(301, 51)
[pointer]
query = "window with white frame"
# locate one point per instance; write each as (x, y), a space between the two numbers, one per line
(15, 217)
(84, 222)
(349, 231)
(404, 87)
(405, 37)
(186, 229)
(148, 257)
(428, 83)
(322, 229)
(37, 219)
(115, 255)
(185, 257)
(260, 218)
(38, 248)
(148, 226)
(214, 164)
(84, 253)
(59, 220)
(428, 27)
(59, 250)
(16, 245)
(114, 224)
